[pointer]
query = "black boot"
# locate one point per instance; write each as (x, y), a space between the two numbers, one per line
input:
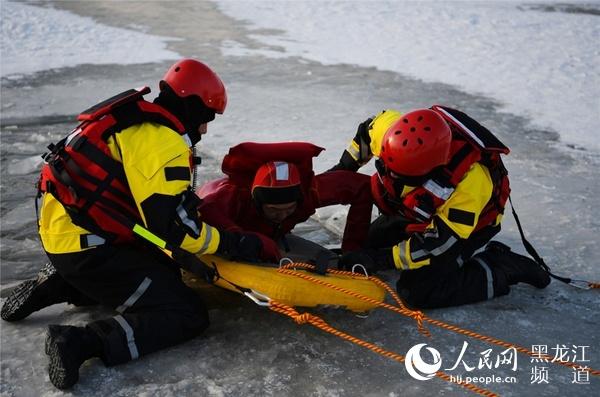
(47, 289)
(513, 267)
(31, 295)
(67, 348)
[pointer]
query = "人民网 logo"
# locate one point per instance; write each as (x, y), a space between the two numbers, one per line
(419, 369)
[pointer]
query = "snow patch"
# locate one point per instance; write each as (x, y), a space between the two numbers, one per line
(36, 39)
(541, 65)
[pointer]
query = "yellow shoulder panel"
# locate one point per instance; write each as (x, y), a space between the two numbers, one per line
(471, 195)
(57, 231)
(146, 150)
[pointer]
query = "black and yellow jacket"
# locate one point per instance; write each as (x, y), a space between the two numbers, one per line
(156, 163)
(452, 224)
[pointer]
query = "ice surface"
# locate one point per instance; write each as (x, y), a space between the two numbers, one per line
(250, 351)
(541, 65)
(25, 166)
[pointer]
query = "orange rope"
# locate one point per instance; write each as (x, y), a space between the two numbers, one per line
(499, 342)
(402, 309)
(318, 322)
(416, 314)
(594, 285)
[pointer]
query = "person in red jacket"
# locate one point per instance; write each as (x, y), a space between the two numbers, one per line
(271, 187)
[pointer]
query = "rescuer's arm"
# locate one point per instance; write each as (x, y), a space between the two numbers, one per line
(367, 141)
(452, 224)
(223, 205)
(344, 187)
(358, 152)
(157, 165)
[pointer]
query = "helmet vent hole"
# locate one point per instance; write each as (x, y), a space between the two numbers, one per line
(405, 120)
(420, 141)
(427, 129)
(420, 118)
(390, 159)
(412, 129)
(398, 132)
(405, 142)
(177, 69)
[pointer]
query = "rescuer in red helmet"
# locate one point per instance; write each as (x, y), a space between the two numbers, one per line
(441, 188)
(114, 197)
(271, 187)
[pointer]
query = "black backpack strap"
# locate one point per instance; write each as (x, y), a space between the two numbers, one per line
(583, 284)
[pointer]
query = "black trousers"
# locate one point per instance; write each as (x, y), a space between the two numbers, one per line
(445, 282)
(155, 308)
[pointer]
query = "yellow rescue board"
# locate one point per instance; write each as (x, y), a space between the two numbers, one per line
(293, 290)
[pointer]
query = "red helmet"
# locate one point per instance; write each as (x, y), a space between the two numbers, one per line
(190, 77)
(277, 182)
(416, 144)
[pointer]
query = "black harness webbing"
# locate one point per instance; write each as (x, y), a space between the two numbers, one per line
(529, 247)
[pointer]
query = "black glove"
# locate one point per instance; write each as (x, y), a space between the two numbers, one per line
(240, 246)
(347, 163)
(363, 140)
(373, 260)
(362, 132)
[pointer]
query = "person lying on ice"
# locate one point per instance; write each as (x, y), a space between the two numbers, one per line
(125, 170)
(271, 187)
(441, 188)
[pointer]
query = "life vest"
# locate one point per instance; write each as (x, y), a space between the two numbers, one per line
(471, 143)
(240, 165)
(81, 174)
(243, 160)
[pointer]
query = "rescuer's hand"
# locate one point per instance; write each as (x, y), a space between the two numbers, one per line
(373, 260)
(240, 246)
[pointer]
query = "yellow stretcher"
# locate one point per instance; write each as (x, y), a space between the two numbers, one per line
(268, 282)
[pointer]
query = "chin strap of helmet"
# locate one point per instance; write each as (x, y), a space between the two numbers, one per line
(196, 161)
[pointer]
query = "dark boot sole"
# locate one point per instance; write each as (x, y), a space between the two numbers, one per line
(58, 367)
(21, 302)
(15, 308)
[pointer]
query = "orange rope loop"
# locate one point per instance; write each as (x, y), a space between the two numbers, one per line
(318, 322)
(418, 315)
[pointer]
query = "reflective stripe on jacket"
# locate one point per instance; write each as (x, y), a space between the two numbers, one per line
(454, 221)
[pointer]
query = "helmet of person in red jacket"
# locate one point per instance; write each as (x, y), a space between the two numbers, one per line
(276, 190)
(416, 144)
(190, 77)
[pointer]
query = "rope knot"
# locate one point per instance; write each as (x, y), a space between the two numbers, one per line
(419, 316)
(302, 318)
